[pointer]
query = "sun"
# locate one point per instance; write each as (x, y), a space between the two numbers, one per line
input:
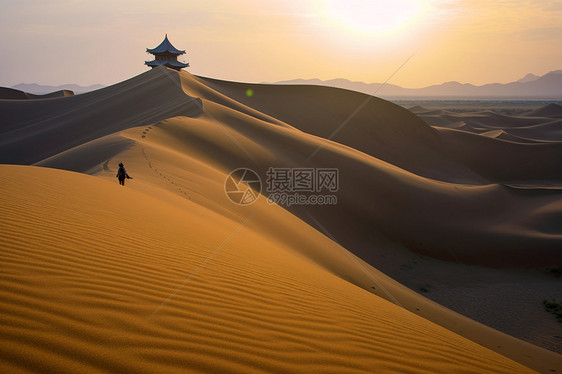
(374, 18)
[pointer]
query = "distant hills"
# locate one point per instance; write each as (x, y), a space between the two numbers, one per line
(38, 89)
(13, 94)
(531, 86)
(529, 78)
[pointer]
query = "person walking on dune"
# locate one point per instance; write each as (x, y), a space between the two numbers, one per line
(122, 174)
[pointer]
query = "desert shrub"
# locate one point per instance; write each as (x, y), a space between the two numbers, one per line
(425, 288)
(554, 307)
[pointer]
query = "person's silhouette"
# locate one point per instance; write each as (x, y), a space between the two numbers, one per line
(122, 174)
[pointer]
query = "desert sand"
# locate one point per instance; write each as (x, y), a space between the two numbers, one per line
(13, 94)
(166, 274)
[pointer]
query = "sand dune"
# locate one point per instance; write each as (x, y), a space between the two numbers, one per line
(418, 109)
(388, 186)
(101, 260)
(533, 144)
(504, 135)
(35, 130)
(539, 125)
(13, 94)
(380, 129)
(549, 110)
(485, 119)
(281, 296)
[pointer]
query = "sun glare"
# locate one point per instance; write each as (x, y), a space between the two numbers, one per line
(373, 18)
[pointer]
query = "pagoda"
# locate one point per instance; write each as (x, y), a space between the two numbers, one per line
(166, 54)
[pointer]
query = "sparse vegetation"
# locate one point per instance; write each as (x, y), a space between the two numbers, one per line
(554, 307)
(554, 270)
(426, 288)
(411, 264)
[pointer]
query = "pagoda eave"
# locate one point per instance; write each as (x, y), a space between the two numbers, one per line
(171, 64)
(175, 53)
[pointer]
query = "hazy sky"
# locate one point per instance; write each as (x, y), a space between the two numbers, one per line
(105, 41)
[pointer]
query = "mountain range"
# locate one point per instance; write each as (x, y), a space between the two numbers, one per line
(531, 86)
(39, 89)
(548, 86)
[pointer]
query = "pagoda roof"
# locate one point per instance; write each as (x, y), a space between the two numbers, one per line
(164, 47)
(168, 63)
